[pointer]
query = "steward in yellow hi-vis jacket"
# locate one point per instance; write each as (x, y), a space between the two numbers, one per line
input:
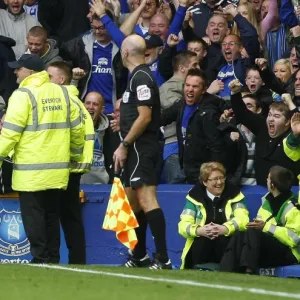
(70, 206)
(70, 209)
(273, 238)
(45, 130)
(291, 144)
(84, 165)
(214, 211)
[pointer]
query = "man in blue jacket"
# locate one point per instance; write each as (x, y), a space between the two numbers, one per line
(232, 46)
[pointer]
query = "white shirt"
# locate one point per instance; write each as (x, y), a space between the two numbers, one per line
(210, 195)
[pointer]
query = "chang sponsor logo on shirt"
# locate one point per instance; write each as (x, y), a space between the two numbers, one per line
(102, 67)
(13, 240)
(223, 75)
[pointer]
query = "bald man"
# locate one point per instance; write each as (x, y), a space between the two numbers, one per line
(94, 102)
(138, 153)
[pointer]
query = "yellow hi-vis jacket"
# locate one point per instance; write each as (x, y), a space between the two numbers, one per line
(291, 147)
(285, 227)
(45, 130)
(84, 165)
(194, 215)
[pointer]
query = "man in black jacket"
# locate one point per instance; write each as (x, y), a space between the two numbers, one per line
(8, 80)
(197, 119)
(64, 19)
(269, 134)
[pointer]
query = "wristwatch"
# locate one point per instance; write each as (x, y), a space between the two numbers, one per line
(125, 144)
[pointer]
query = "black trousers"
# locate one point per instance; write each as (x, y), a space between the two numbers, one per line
(71, 221)
(204, 250)
(40, 215)
(252, 249)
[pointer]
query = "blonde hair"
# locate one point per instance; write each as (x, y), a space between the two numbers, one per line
(251, 19)
(207, 168)
(282, 61)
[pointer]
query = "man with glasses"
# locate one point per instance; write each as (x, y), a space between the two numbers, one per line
(98, 61)
(236, 65)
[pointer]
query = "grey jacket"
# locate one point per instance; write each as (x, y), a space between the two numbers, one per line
(17, 27)
(98, 174)
(170, 92)
(52, 55)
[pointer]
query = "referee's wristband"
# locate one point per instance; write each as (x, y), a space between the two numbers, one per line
(125, 144)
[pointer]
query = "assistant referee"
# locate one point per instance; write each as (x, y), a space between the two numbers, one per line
(138, 153)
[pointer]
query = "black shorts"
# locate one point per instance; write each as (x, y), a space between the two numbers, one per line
(142, 162)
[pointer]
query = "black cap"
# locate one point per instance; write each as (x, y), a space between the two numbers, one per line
(153, 41)
(28, 61)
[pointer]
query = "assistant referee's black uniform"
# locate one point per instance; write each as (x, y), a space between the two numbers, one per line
(141, 165)
(143, 155)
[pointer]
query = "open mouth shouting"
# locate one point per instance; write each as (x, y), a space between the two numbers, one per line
(228, 55)
(190, 97)
(297, 90)
(216, 35)
(294, 66)
(253, 88)
(15, 8)
(271, 129)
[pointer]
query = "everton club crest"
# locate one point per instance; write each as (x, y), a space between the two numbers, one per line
(13, 240)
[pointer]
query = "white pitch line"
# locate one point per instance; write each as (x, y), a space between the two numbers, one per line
(175, 281)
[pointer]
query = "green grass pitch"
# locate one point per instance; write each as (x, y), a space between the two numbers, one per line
(21, 282)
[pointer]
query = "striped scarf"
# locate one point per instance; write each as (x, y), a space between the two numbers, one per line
(276, 52)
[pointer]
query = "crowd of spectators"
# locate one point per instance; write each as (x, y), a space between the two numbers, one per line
(195, 49)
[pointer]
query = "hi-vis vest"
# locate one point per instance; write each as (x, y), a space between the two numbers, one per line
(84, 165)
(194, 215)
(45, 130)
(292, 152)
(285, 227)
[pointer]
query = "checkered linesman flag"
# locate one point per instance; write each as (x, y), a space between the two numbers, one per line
(119, 216)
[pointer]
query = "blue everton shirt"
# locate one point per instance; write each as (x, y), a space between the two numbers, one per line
(155, 72)
(226, 74)
(140, 30)
(188, 112)
(101, 78)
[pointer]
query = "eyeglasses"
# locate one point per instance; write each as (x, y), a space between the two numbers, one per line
(216, 179)
(231, 44)
(98, 28)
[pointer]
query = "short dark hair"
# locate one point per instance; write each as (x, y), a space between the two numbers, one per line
(281, 178)
(255, 98)
(182, 58)
(198, 73)
(252, 68)
(282, 107)
(38, 31)
(64, 68)
(200, 41)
